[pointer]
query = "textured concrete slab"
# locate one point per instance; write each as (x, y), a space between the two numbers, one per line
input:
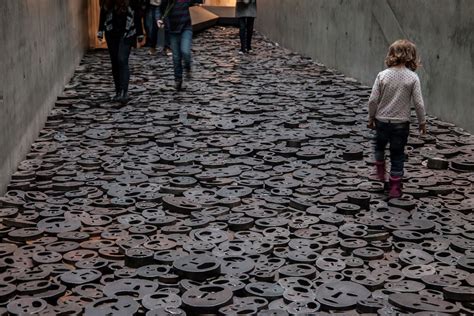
(42, 42)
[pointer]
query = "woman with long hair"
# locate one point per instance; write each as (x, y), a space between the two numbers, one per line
(120, 21)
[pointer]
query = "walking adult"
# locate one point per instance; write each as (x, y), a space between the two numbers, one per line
(177, 18)
(246, 12)
(120, 21)
(152, 14)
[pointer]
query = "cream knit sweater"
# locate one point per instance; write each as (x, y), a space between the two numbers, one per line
(394, 91)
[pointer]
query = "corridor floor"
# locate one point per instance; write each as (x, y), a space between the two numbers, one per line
(249, 193)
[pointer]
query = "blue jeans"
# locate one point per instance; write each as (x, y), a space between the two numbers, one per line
(152, 14)
(181, 47)
(397, 135)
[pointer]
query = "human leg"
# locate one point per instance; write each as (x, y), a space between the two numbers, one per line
(249, 33)
(167, 38)
(125, 47)
(153, 27)
(398, 141)
(382, 137)
(175, 41)
(380, 143)
(113, 48)
(148, 25)
(242, 34)
(159, 32)
(186, 43)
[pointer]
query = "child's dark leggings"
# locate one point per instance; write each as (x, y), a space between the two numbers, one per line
(397, 135)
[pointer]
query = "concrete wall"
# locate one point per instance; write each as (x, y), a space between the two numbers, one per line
(353, 35)
(41, 41)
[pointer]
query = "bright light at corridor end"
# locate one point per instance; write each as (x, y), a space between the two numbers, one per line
(223, 3)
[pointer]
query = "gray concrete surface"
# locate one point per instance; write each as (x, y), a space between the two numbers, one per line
(353, 35)
(41, 42)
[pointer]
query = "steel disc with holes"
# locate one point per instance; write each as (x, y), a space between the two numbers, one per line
(341, 295)
(206, 298)
(197, 267)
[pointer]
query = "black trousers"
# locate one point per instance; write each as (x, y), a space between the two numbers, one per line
(119, 50)
(246, 32)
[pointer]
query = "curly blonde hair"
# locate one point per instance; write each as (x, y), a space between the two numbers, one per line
(402, 52)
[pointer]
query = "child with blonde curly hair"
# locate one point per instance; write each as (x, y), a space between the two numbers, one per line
(395, 90)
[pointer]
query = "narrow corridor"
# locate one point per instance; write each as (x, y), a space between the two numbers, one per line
(249, 192)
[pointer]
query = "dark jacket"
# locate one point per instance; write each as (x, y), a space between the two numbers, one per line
(133, 23)
(176, 14)
(243, 10)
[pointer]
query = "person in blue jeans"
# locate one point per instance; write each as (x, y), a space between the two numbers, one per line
(153, 14)
(395, 90)
(177, 18)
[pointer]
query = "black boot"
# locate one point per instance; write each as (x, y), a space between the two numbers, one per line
(123, 97)
(188, 73)
(117, 95)
(178, 85)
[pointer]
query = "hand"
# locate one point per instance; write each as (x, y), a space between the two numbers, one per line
(160, 24)
(371, 124)
(100, 36)
(422, 128)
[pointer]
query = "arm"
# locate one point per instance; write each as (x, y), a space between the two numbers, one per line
(418, 102)
(163, 12)
(102, 19)
(419, 106)
(374, 98)
(136, 6)
(102, 15)
(164, 4)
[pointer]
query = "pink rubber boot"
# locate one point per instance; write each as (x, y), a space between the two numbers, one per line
(380, 167)
(395, 187)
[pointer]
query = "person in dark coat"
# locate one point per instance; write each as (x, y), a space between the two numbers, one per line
(120, 22)
(246, 12)
(177, 18)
